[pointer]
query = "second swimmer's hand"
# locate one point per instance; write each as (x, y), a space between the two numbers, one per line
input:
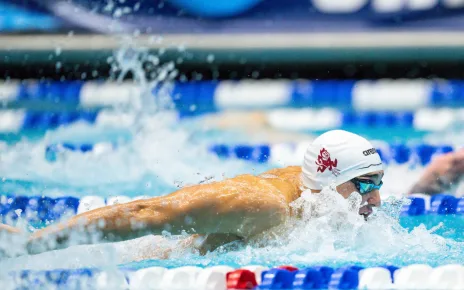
(441, 173)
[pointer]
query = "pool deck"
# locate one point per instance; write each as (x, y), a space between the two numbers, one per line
(278, 47)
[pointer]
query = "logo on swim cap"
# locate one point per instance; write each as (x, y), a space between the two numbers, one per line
(325, 162)
(369, 152)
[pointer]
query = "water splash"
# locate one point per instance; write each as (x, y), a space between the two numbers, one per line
(330, 232)
(152, 148)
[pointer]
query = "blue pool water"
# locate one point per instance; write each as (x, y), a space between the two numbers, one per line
(161, 156)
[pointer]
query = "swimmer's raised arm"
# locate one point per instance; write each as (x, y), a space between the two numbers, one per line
(441, 174)
(242, 206)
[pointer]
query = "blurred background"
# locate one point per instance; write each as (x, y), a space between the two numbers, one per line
(103, 102)
(252, 78)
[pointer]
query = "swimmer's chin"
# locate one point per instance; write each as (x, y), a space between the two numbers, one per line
(366, 210)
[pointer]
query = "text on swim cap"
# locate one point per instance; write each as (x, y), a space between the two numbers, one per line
(369, 152)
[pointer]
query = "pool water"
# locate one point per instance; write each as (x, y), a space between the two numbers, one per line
(157, 154)
(161, 156)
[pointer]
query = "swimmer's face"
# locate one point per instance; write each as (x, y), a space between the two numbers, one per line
(370, 199)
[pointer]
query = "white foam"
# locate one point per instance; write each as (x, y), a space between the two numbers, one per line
(118, 119)
(118, 200)
(330, 229)
(159, 150)
(101, 148)
(88, 203)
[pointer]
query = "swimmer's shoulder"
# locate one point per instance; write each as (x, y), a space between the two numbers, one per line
(284, 172)
(289, 173)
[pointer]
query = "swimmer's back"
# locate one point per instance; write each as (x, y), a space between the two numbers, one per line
(280, 183)
(242, 207)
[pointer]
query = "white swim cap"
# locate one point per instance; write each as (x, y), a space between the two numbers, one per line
(336, 157)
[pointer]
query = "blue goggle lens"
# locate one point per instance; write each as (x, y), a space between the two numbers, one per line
(365, 186)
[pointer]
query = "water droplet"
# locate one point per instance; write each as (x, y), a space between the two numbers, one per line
(181, 48)
(117, 13)
(173, 74)
(210, 58)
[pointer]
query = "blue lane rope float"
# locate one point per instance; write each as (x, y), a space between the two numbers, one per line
(420, 154)
(225, 277)
(41, 210)
(212, 95)
(14, 121)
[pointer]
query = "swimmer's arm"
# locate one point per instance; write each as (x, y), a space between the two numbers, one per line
(203, 209)
(441, 173)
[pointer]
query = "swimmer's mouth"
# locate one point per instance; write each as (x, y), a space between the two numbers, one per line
(366, 210)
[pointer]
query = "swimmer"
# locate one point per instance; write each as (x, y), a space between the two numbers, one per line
(238, 208)
(442, 174)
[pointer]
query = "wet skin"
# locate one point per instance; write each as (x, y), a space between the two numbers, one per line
(237, 208)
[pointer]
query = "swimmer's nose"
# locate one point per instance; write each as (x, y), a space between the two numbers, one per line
(373, 198)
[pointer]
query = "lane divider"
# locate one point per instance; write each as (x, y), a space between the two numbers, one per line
(41, 210)
(415, 276)
(279, 154)
(398, 95)
(13, 121)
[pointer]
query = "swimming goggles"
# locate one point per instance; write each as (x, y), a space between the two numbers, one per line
(364, 185)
